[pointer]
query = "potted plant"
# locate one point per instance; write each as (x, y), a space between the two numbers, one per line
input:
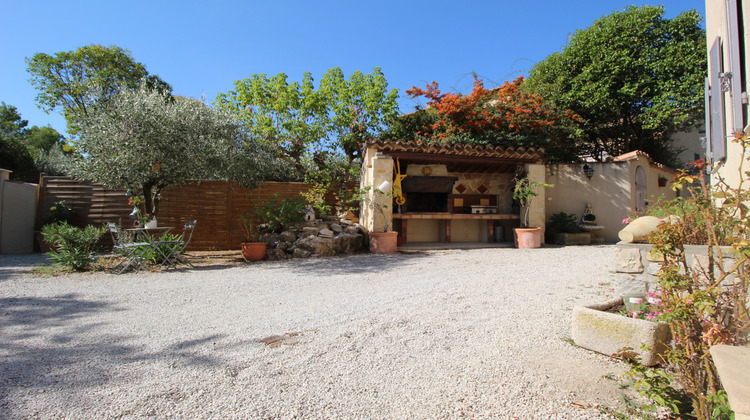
(662, 181)
(385, 242)
(524, 192)
(253, 247)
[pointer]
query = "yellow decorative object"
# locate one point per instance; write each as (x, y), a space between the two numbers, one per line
(484, 201)
(398, 195)
(458, 202)
(426, 171)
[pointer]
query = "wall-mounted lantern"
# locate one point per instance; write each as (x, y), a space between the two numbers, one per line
(588, 171)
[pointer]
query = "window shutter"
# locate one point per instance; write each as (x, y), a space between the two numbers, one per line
(716, 141)
(735, 65)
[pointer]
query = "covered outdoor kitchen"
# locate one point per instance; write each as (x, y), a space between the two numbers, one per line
(449, 193)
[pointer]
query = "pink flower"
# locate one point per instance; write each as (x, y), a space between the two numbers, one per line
(625, 221)
(655, 301)
(650, 316)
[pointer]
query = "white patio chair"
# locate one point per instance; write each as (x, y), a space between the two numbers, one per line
(133, 253)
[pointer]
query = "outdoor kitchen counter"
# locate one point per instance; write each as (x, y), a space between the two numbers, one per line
(446, 227)
(451, 216)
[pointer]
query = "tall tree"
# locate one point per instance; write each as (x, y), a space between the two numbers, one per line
(78, 81)
(505, 116)
(14, 155)
(303, 122)
(147, 141)
(634, 77)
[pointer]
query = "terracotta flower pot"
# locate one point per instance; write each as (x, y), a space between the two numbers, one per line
(528, 237)
(253, 251)
(383, 242)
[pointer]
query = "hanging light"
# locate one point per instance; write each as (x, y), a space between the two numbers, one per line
(134, 213)
(588, 171)
(385, 186)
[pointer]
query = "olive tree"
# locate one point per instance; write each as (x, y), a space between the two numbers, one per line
(146, 140)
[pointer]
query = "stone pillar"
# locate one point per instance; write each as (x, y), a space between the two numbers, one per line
(537, 173)
(377, 168)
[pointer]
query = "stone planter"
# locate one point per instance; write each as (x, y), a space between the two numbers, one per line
(583, 238)
(608, 333)
(383, 242)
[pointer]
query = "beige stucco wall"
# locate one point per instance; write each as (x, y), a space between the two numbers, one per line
(376, 169)
(610, 191)
(17, 213)
(716, 26)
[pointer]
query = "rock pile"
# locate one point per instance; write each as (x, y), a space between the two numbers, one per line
(317, 238)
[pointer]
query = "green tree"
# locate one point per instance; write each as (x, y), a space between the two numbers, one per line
(79, 81)
(301, 121)
(145, 140)
(14, 154)
(634, 77)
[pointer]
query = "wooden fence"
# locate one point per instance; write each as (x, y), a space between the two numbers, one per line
(216, 205)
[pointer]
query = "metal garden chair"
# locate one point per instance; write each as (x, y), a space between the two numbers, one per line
(133, 253)
(176, 248)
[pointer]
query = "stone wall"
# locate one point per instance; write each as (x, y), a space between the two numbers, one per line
(637, 266)
(317, 238)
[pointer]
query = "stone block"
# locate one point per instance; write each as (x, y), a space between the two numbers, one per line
(733, 366)
(628, 260)
(630, 284)
(608, 333)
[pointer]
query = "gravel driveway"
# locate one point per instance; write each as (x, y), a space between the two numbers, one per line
(438, 334)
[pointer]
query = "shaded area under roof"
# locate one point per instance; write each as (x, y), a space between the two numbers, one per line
(469, 158)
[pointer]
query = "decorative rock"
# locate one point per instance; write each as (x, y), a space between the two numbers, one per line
(325, 233)
(277, 254)
(628, 260)
(287, 236)
(309, 231)
(351, 229)
(301, 253)
(272, 240)
(336, 227)
(316, 245)
(346, 243)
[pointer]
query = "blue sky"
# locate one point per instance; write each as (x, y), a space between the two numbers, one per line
(202, 47)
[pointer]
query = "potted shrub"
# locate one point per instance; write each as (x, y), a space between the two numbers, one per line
(253, 248)
(563, 229)
(524, 192)
(386, 241)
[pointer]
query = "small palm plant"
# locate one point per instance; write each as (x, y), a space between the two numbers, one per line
(524, 192)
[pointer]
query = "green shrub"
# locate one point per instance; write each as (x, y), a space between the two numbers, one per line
(75, 248)
(279, 214)
(561, 223)
(60, 212)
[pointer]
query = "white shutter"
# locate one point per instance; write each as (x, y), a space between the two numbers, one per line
(735, 64)
(717, 149)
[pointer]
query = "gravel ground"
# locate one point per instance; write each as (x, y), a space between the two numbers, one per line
(438, 334)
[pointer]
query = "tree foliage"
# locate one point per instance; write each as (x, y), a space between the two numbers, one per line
(303, 122)
(634, 77)
(20, 146)
(79, 81)
(122, 139)
(506, 116)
